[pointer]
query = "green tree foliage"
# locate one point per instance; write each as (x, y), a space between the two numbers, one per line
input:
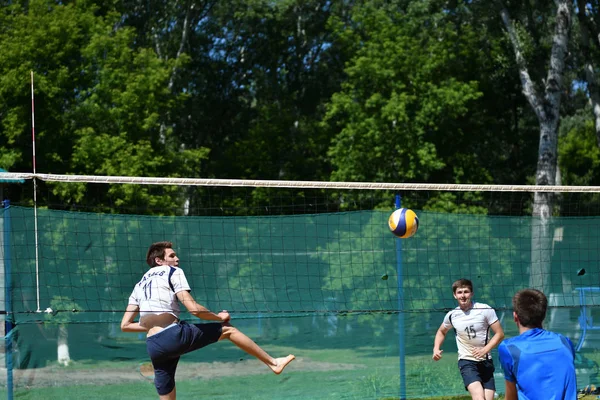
(579, 158)
(103, 105)
(413, 109)
(401, 91)
(258, 75)
(289, 67)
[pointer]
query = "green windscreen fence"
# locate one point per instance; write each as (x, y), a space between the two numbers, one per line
(358, 307)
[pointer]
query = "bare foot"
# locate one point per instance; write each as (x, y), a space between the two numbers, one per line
(281, 363)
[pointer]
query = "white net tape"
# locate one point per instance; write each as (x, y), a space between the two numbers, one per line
(15, 176)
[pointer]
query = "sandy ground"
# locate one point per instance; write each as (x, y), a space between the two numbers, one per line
(59, 376)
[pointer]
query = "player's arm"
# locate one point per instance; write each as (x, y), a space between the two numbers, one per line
(494, 341)
(440, 336)
(128, 323)
(510, 391)
(198, 310)
(507, 363)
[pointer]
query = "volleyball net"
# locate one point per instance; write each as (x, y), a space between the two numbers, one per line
(303, 267)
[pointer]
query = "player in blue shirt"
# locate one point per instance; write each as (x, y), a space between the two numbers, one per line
(537, 364)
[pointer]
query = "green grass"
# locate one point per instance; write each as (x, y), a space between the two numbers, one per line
(376, 377)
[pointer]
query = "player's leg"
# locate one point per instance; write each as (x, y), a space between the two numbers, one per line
(486, 371)
(170, 396)
(249, 346)
(470, 373)
(476, 391)
(164, 378)
(164, 349)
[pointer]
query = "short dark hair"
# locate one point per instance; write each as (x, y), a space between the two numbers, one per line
(463, 282)
(157, 250)
(530, 305)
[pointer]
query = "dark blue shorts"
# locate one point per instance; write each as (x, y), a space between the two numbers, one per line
(168, 345)
(477, 371)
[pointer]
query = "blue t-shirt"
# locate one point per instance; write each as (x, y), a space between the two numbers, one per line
(541, 364)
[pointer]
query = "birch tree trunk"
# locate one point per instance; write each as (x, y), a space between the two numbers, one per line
(546, 106)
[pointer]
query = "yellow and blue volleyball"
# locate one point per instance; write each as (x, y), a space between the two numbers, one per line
(403, 223)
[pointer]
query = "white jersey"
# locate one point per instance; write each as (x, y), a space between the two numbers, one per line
(472, 328)
(156, 292)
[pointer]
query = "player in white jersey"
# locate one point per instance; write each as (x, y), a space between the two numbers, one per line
(472, 322)
(156, 299)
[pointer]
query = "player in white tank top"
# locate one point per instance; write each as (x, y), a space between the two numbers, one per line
(472, 322)
(472, 328)
(156, 297)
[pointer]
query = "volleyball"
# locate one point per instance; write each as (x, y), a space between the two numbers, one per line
(403, 223)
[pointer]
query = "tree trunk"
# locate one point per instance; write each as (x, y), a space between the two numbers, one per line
(547, 109)
(541, 240)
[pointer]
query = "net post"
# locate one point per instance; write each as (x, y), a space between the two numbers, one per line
(7, 301)
(401, 345)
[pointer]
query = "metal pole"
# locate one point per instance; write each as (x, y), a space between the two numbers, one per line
(402, 351)
(8, 322)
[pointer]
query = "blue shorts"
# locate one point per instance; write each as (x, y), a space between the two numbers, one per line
(477, 371)
(165, 348)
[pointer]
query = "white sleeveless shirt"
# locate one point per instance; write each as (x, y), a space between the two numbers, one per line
(156, 292)
(472, 328)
